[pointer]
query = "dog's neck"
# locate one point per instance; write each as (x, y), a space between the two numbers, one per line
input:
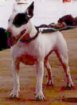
(26, 36)
(32, 30)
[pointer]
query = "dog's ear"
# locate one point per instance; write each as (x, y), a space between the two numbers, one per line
(30, 10)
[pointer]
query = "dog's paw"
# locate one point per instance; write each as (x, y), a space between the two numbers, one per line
(14, 94)
(50, 83)
(70, 86)
(40, 96)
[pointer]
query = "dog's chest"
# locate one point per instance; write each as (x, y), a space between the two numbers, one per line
(26, 54)
(27, 59)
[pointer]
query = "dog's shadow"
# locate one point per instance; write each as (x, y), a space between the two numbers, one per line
(24, 100)
(60, 99)
(19, 99)
(69, 99)
(63, 99)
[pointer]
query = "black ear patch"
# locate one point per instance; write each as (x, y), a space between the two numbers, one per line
(30, 9)
(20, 19)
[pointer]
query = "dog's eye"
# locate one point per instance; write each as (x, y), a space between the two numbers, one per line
(20, 20)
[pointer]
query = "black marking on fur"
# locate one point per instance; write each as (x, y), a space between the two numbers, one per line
(20, 19)
(31, 9)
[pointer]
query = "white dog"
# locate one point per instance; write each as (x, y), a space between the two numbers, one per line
(33, 47)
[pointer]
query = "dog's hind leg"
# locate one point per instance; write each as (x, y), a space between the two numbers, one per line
(62, 54)
(48, 68)
(16, 84)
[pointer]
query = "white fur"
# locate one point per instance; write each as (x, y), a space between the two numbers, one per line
(39, 49)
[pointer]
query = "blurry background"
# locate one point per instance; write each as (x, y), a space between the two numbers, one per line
(46, 11)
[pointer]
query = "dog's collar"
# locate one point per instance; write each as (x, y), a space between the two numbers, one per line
(29, 39)
(23, 37)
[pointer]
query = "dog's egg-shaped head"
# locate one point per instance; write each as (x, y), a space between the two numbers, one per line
(19, 21)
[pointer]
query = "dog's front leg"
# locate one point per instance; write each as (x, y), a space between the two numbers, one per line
(39, 76)
(16, 84)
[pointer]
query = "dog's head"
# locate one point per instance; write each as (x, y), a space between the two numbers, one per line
(20, 21)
